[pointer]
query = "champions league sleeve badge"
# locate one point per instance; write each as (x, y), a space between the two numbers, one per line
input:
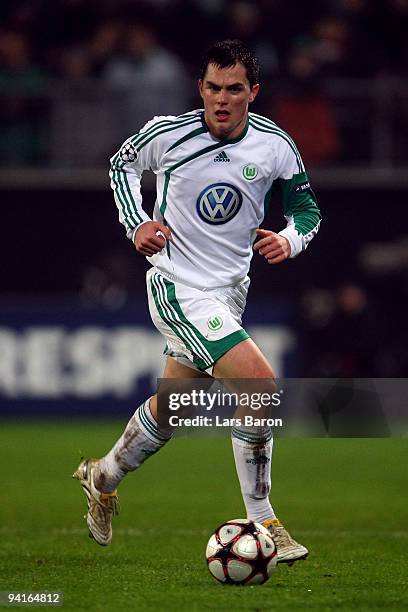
(128, 153)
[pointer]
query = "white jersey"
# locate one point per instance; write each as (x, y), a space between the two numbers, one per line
(213, 194)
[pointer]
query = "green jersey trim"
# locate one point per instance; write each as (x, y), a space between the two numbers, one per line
(268, 122)
(193, 134)
(123, 192)
(302, 205)
(227, 141)
(205, 352)
(141, 140)
(171, 313)
(218, 145)
(132, 200)
(187, 159)
(267, 198)
(163, 123)
(261, 127)
(119, 178)
(218, 348)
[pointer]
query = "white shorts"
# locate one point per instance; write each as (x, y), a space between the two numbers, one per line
(199, 325)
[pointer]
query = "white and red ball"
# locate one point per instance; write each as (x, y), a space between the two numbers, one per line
(241, 552)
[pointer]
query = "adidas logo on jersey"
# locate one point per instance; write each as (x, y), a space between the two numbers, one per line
(222, 157)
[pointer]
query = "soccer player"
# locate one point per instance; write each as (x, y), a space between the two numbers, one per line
(216, 169)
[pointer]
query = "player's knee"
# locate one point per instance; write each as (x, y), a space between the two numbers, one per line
(262, 369)
(259, 370)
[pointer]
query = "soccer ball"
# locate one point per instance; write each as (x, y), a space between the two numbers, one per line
(241, 552)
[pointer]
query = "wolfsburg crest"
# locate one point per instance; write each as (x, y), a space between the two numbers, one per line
(250, 171)
(215, 323)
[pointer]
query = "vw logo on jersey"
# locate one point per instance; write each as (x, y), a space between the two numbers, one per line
(219, 203)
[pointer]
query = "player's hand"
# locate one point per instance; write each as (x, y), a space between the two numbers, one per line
(150, 238)
(273, 247)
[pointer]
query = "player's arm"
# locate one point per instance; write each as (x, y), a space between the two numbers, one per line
(126, 169)
(300, 210)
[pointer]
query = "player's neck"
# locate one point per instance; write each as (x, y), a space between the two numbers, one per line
(235, 134)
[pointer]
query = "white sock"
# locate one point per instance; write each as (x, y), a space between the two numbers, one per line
(253, 457)
(141, 439)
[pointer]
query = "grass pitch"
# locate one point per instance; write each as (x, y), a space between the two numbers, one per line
(346, 499)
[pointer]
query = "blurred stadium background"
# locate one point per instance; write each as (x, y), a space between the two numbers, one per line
(79, 76)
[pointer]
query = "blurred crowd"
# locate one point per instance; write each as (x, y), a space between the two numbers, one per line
(145, 54)
(351, 331)
(77, 38)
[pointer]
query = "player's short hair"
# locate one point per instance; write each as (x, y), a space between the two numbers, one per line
(229, 52)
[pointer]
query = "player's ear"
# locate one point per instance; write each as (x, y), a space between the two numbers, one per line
(254, 93)
(200, 87)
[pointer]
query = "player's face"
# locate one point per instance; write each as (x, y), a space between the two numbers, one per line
(226, 93)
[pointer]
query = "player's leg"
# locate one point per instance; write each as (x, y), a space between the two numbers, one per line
(244, 360)
(252, 447)
(142, 438)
